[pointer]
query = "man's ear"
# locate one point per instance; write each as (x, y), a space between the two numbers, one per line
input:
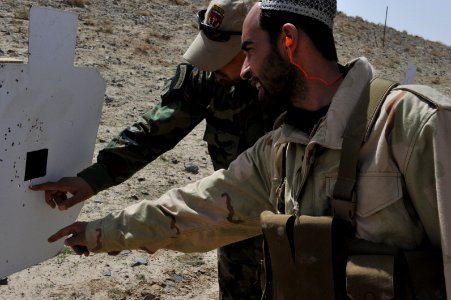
(288, 42)
(290, 32)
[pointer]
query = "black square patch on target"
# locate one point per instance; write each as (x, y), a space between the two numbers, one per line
(36, 165)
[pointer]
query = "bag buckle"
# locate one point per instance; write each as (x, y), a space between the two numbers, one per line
(345, 209)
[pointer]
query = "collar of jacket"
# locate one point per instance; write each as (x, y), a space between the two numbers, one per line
(330, 131)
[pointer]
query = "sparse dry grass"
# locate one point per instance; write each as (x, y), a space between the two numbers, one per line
(407, 49)
(89, 22)
(142, 47)
(178, 2)
(152, 32)
(144, 13)
(367, 51)
(106, 27)
(23, 13)
(436, 80)
(439, 52)
(77, 3)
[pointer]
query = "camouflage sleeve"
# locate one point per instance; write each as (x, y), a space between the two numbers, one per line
(212, 212)
(182, 107)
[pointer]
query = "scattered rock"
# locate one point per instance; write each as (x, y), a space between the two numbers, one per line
(4, 281)
(139, 261)
(125, 253)
(149, 297)
(191, 168)
(108, 99)
(177, 278)
(169, 284)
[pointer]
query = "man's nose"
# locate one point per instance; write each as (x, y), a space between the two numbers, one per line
(245, 70)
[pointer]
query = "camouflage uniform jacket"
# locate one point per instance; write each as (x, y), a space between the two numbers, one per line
(234, 121)
(404, 164)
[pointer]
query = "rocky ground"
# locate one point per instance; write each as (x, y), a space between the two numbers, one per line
(135, 46)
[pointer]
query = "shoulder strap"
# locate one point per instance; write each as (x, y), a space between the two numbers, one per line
(355, 134)
(379, 90)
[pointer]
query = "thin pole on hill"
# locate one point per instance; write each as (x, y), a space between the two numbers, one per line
(385, 26)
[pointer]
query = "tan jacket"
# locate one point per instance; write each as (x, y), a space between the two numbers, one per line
(403, 187)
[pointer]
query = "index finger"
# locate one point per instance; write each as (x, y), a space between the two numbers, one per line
(68, 230)
(48, 186)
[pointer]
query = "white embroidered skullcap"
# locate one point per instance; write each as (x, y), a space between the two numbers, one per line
(321, 10)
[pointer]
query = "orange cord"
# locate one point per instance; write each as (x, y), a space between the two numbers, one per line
(308, 77)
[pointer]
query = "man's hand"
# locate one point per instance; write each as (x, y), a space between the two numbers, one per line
(76, 241)
(56, 192)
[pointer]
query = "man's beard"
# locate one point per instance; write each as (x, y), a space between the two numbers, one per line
(281, 81)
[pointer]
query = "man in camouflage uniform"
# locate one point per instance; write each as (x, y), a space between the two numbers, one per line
(404, 179)
(235, 119)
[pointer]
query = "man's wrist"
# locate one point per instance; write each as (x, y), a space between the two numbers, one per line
(93, 236)
(97, 177)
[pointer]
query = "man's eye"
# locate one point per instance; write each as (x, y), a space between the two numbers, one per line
(246, 47)
(249, 50)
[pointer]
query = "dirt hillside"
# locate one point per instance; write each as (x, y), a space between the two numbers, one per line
(135, 45)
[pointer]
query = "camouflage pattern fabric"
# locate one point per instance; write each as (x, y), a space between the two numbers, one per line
(234, 121)
(239, 269)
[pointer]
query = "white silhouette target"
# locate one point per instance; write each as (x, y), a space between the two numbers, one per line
(49, 117)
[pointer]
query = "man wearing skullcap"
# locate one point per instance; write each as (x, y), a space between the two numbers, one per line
(352, 194)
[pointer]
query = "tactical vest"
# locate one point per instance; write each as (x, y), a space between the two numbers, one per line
(336, 265)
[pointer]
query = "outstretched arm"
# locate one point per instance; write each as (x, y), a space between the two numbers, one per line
(183, 105)
(217, 210)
